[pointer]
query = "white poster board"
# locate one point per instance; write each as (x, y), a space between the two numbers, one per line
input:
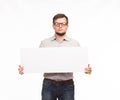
(57, 59)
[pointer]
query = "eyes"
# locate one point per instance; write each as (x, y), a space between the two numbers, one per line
(60, 24)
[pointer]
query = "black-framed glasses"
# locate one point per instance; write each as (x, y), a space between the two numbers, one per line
(60, 24)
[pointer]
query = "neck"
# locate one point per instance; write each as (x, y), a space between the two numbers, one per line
(60, 38)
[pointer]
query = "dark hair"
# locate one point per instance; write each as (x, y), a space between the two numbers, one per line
(60, 15)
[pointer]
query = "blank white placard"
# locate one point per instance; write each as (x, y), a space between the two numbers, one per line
(55, 59)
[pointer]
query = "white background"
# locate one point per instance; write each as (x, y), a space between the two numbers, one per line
(94, 23)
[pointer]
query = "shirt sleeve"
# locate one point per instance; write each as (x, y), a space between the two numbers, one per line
(78, 44)
(41, 44)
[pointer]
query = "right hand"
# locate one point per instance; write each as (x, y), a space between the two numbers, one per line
(20, 69)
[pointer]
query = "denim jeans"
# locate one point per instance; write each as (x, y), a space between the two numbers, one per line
(57, 91)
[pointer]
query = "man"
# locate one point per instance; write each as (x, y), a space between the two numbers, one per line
(59, 85)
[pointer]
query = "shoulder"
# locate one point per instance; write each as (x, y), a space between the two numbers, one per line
(73, 41)
(45, 41)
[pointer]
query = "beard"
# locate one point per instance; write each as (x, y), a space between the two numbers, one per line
(60, 34)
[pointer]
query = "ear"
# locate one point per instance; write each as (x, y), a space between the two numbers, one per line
(53, 26)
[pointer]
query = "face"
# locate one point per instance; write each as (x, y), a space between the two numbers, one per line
(60, 26)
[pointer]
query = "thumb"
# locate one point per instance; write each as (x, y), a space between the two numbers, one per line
(88, 65)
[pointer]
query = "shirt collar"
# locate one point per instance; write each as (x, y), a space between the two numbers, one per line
(65, 39)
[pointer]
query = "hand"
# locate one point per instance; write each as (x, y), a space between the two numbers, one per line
(88, 70)
(20, 69)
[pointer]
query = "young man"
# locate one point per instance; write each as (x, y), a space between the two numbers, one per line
(59, 85)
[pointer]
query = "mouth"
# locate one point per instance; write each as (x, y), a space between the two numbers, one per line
(60, 30)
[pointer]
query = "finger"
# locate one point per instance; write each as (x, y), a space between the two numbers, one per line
(20, 65)
(88, 65)
(21, 73)
(20, 69)
(88, 72)
(89, 68)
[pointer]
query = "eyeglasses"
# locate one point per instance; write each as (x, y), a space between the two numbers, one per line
(60, 24)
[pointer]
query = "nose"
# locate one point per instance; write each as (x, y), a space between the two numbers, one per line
(60, 25)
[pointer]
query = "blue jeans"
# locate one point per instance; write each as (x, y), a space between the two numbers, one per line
(52, 90)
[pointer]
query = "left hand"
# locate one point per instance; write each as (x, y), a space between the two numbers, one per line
(88, 69)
